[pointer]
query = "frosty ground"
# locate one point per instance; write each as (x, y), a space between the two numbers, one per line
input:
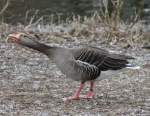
(31, 85)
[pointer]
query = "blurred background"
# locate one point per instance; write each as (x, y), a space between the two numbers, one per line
(31, 85)
(14, 11)
(118, 16)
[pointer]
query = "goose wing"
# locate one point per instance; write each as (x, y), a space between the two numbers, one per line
(82, 71)
(79, 70)
(101, 58)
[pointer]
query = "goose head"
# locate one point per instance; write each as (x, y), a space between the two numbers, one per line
(21, 38)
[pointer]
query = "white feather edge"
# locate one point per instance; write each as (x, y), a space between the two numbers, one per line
(130, 66)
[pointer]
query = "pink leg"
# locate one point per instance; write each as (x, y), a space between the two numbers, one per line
(90, 94)
(76, 96)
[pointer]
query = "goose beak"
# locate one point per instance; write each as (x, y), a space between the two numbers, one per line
(15, 37)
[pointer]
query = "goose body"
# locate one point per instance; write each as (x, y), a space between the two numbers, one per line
(85, 64)
(80, 64)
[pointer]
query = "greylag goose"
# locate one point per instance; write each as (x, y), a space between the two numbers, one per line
(80, 64)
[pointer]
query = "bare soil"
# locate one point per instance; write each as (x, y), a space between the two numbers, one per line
(31, 85)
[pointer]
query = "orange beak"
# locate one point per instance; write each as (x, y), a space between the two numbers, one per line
(15, 37)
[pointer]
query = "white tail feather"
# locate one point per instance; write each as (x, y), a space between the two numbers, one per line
(131, 66)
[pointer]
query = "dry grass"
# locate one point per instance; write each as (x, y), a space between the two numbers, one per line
(31, 85)
(90, 28)
(101, 26)
(3, 7)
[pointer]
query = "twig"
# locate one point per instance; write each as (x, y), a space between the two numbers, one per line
(33, 18)
(5, 7)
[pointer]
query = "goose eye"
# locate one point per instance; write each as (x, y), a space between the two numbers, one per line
(24, 35)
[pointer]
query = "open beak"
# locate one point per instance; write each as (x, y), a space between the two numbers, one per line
(13, 37)
(8, 39)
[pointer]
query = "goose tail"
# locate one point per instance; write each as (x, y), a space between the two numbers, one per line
(132, 66)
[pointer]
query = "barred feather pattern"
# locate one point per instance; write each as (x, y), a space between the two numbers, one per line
(90, 70)
(78, 63)
(101, 59)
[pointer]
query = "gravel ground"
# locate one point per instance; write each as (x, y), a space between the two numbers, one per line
(31, 85)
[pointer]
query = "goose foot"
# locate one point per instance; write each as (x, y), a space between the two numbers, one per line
(71, 98)
(89, 95)
(76, 96)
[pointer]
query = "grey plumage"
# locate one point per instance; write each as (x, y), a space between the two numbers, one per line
(81, 64)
